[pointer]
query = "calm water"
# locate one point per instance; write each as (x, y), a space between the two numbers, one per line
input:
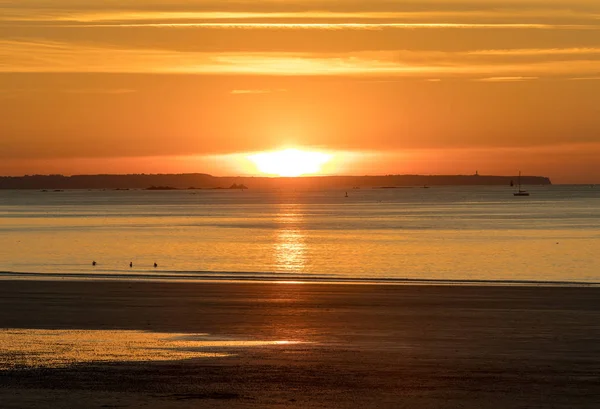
(449, 233)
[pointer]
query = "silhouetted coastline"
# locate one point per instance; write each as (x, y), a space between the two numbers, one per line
(205, 181)
(232, 187)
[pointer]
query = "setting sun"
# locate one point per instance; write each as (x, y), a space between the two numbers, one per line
(290, 162)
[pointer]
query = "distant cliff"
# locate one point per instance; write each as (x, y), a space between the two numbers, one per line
(204, 181)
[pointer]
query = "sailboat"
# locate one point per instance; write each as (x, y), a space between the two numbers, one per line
(520, 192)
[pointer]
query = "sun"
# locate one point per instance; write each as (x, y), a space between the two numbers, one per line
(290, 162)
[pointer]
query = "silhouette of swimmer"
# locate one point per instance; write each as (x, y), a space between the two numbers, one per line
(131, 264)
(155, 265)
(93, 263)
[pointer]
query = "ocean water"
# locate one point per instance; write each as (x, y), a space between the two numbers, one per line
(442, 233)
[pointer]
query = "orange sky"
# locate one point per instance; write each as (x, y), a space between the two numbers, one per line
(433, 86)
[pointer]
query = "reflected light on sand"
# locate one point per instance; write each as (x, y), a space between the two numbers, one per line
(33, 348)
(290, 246)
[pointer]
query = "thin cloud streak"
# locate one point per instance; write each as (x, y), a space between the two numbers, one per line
(537, 51)
(506, 79)
(329, 26)
(123, 16)
(17, 15)
(42, 56)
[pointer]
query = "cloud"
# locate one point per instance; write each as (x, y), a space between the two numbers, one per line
(203, 16)
(96, 11)
(334, 26)
(50, 56)
(537, 52)
(506, 79)
(326, 15)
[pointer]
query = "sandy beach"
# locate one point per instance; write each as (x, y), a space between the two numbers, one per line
(272, 345)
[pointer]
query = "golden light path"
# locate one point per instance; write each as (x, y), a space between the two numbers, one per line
(290, 162)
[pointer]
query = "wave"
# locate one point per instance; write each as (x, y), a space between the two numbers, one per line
(221, 276)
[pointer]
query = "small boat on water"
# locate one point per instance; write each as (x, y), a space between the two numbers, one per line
(520, 192)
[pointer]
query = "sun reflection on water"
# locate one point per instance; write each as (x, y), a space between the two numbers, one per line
(34, 348)
(290, 246)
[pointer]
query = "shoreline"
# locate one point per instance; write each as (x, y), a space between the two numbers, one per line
(265, 278)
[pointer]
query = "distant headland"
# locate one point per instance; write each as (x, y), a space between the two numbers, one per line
(205, 181)
(235, 186)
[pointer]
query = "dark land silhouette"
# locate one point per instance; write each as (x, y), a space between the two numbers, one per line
(205, 181)
(234, 187)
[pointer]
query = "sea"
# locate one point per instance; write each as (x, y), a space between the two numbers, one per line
(480, 234)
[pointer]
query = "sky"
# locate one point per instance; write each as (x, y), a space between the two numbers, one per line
(428, 86)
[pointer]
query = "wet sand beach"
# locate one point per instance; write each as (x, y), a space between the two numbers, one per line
(269, 345)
